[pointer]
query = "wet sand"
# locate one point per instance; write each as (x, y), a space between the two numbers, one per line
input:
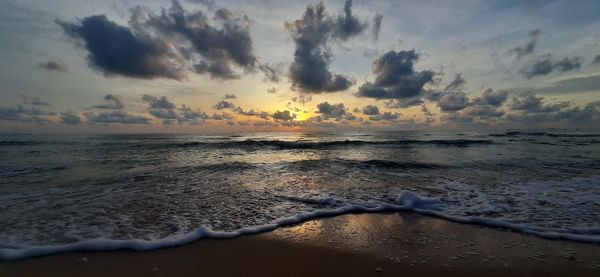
(393, 244)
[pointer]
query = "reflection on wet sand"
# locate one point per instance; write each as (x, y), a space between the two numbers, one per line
(414, 239)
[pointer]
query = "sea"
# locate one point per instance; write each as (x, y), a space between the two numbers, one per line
(146, 191)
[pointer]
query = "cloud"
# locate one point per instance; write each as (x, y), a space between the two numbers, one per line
(472, 113)
(166, 45)
(221, 105)
(426, 111)
(370, 110)
(222, 116)
(386, 116)
(162, 108)
(334, 111)
(346, 25)
(115, 117)
(396, 78)
(272, 90)
(215, 49)
(116, 50)
(112, 102)
(33, 100)
(529, 48)
(70, 118)
(54, 65)
(575, 116)
(491, 97)
(376, 26)
(158, 103)
(309, 71)
(272, 72)
(545, 65)
(568, 64)
(596, 60)
(302, 99)
(229, 96)
(208, 3)
(454, 101)
(534, 104)
(283, 115)
(265, 124)
(183, 114)
(252, 112)
(571, 85)
(30, 111)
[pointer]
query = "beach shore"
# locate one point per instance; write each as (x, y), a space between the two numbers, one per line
(392, 244)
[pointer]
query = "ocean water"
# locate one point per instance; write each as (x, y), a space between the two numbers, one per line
(60, 193)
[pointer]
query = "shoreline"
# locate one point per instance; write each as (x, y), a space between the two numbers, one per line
(351, 244)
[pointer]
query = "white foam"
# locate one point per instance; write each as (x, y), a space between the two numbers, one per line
(406, 201)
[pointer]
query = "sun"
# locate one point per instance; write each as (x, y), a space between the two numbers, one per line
(301, 116)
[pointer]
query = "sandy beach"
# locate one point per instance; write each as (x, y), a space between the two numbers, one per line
(356, 245)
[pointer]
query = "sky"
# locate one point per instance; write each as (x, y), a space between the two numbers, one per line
(207, 66)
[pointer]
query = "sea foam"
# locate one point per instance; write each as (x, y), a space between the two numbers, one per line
(406, 201)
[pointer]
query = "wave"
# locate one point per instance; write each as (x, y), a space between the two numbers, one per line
(20, 142)
(361, 164)
(546, 134)
(280, 144)
(406, 201)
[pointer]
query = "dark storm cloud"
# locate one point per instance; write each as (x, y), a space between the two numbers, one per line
(376, 26)
(491, 97)
(115, 117)
(528, 48)
(396, 77)
(346, 25)
(370, 110)
(331, 110)
(70, 118)
(386, 116)
(168, 44)
(545, 65)
(283, 115)
(596, 60)
(309, 71)
(334, 111)
(54, 65)
(112, 102)
(158, 102)
(116, 50)
(217, 48)
(221, 105)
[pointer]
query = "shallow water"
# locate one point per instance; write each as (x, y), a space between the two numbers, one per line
(57, 190)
